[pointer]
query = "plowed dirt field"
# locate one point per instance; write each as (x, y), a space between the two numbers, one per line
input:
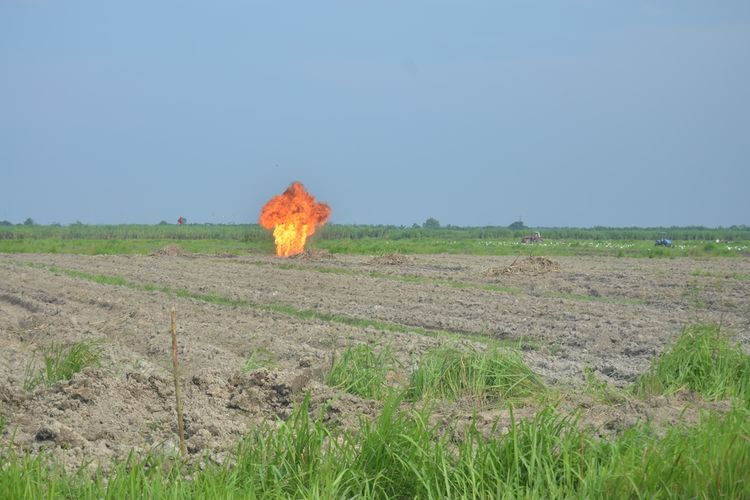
(611, 315)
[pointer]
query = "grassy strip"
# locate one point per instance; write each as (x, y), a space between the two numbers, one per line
(703, 360)
(304, 314)
(401, 455)
(557, 247)
(61, 363)
(129, 246)
(454, 371)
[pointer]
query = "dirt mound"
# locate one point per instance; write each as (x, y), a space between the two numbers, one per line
(389, 259)
(313, 254)
(529, 265)
(170, 251)
(100, 416)
(225, 255)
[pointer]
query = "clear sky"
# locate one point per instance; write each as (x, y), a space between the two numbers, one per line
(566, 113)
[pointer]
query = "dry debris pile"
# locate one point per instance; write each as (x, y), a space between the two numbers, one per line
(170, 251)
(529, 265)
(389, 259)
(313, 254)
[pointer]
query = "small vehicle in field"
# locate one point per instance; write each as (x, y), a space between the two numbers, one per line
(532, 238)
(663, 241)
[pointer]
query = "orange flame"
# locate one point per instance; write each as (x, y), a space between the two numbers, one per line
(293, 216)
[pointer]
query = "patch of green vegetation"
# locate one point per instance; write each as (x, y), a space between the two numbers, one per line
(61, 363)
(374, 240)
(454, 371)
(362, 371)
(703, 360)
(601, 390)
(401, 455)
(102, 279)
(259, 358)
(129, 246)
(566, 245)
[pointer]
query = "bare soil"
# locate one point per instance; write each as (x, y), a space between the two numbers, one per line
(612, 315)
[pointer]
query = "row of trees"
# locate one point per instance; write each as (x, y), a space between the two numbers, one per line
(433, 223)
(27, 222)
(32, 222)
(430, 223)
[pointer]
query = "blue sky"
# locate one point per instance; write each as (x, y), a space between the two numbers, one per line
(575, 113)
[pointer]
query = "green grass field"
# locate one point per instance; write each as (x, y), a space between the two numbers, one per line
(250, 238)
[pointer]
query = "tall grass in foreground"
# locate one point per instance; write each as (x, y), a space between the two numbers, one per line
(401, 455)
(61, 363)
(454, 371)
(703, 360)
(361, 371)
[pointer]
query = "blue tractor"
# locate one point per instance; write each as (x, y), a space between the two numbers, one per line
(663, 241)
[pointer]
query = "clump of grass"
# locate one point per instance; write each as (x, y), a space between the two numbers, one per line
(703, 360)
(61, 363)
(453, 371)
(259, 358)
(362, 371)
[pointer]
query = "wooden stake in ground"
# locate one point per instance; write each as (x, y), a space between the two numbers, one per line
(178, 397)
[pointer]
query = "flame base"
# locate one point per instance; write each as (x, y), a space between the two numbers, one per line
(290, 238)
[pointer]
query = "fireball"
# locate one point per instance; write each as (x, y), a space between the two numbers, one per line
(293, 216)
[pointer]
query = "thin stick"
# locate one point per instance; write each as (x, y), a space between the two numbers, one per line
(720, 288)
(178, 397)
